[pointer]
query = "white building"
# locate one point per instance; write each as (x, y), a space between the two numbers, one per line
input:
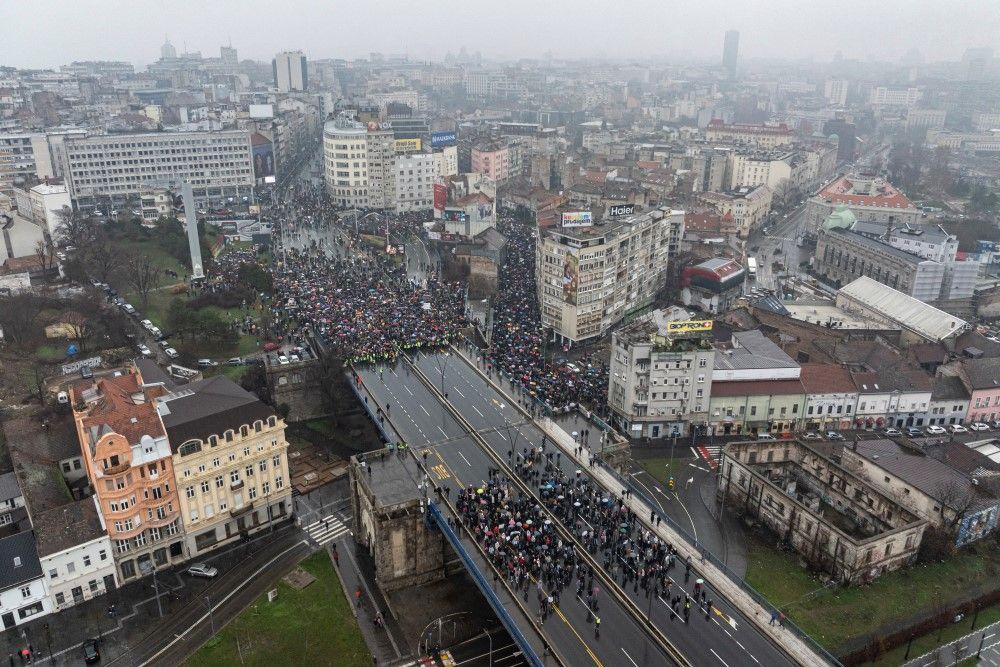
(42, 204)
(23, 158)
(446, 159)
(835, 91)
(415, 176)
(75, 553)
(216, 164)
(24, 595)
(897, 97)
(359, 163)
(290, 71)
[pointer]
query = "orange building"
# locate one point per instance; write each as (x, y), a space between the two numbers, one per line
(130, 467)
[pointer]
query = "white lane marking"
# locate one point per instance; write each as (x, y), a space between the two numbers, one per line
(465, 459)
(629, 657)
(425, 411)
(410, 391)
(717, 656)
(459, 391)
(478, 412)
(442, 431)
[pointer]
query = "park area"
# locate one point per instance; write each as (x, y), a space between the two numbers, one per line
(311, 626)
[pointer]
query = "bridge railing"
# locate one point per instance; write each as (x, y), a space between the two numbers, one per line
(484, 586)
(628, 483)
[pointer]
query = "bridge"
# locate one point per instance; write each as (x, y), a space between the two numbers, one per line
(459, 423)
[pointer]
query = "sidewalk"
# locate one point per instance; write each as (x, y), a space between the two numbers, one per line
(385, 642)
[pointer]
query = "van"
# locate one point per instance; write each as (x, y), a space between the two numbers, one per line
(765, 436)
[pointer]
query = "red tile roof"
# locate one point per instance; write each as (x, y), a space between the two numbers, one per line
(729, 388)
(827, 379)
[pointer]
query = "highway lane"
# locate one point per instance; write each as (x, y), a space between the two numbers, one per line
(456, 460)
(731, 636)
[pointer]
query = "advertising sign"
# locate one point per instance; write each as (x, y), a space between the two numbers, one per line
(455, 215)
(406, 145)
(689, 326)
(442, 139)
(622, 209)
(375, 127)
(92, 362)
(440, 196)
(577, 219)
(976, 526)
(263, 156)
(571, 278)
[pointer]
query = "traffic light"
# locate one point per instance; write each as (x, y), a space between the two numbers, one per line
(670, 483)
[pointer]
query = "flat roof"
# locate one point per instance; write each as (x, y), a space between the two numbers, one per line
(911, 313)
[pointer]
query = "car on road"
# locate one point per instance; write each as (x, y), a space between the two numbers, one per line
(235, 361)
(765, 436)
(834, 435)
(979, 426)
(128, 308)
(893, 432)
(207, 363)
(812, 435)
(144, 351)
(91, 651)
(914, 431)
(958, 428)
(202, 570)
(171, 352)
(934, 429)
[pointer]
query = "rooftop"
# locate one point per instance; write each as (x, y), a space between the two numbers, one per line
(18, 560)
(391, 478)
(67, 526)
(863, 191)
(827, 379)
(752, 349)
(209, 407)
(913, 314)
(730, 388)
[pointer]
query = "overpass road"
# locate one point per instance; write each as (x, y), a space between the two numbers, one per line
(455, 457)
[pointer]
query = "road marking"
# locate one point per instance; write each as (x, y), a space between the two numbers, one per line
(440, 471)
(442, 431)
(573, 630)
(717, 656)
(699, 468)
(465, 459)
(727, 618)
(629, 657)
(459, 391)
(693, 529)
(425, 410)
(408, 390)
(478, 412)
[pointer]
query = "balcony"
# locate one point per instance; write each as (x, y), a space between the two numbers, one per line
(236, 486)
(239, 511)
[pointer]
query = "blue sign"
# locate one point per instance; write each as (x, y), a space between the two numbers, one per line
(442, 139)
(71, 350)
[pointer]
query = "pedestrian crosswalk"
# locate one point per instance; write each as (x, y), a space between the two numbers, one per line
(709, 453)
(326, 530)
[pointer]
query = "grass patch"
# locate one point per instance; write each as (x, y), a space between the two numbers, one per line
(51, 353)
(660, 468)
(321, 426)
(313, 626)
(833, 616)
(948, 634)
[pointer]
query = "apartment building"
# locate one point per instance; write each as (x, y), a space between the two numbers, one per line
(130, 467)
(759, 136)
(230, 458)
(359, 163)
(590, 276)
(121, 166)
(869, 198)
(415, 176)
(660, 378)
(23, 158)
(75, 552)
(747, 206)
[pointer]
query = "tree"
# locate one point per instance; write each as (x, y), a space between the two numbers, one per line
(17, 317)
(255, 278)
(75, 228)
(142, 275)
(333, 381)
(46, 254)
(100, 260)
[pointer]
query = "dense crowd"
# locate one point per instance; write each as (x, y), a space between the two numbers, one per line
(521, 541)
(518, 342)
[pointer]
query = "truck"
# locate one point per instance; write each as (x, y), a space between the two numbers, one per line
(752, 267)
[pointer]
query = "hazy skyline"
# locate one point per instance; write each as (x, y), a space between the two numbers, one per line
(40, 35)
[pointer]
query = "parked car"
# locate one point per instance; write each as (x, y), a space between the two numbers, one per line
(958, 428)
(128, 308)
(155, 331)
(145, 351)
(202, 570)
(834, 435)
(812, 435)
(979, 426)
(893, 432)
(934, 429)
(282, 359)
(207, 363)
(91, 651)
(235, 361)
(765, 436)
(914, 431)
(171, 352)
(146, 323)
(62, 397)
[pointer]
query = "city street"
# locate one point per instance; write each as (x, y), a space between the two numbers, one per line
(728, 638)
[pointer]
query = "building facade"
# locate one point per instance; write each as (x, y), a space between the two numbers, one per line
(359, 163)
(291, 72)
(75, 553)
(415, 177)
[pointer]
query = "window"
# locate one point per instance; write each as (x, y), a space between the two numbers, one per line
(265, 488)
(252, 493)
(102, 554)
(53, 574)
(86, 560)
(220, 481)
(128, 569)
(215, 462)
(262, 465)
(246, 451)
(60, 598)
(194, 514)
(209, 511)
(278, 482)
(187, 472)
(189, 492)
(25, 592)
(249, 470)
(204, 486)
(234, 476)
(70, 567)
(92, 584)
(276, 461)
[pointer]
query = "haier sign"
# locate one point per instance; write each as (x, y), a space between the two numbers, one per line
(442, 139)
(624, 209)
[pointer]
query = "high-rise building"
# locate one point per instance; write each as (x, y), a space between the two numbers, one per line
(290, 71)
(731, 51)
(359, 162)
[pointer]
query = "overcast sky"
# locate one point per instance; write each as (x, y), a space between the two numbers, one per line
(50, 33)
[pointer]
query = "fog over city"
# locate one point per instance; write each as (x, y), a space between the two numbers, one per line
(47, 34)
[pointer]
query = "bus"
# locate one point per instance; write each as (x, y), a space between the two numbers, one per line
(752, 267)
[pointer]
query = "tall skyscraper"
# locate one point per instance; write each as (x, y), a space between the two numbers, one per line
(290, 71)
(731, 51)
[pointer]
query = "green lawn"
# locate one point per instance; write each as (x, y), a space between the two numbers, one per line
(52, 352)
(313, 626)
(832, 616)
(950, 633)
(661, 468)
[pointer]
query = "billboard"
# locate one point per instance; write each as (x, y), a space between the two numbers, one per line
(689, 326)
(406, 145)
(976, 526)
(577, 219)
(455, 215)
(621, 209)
(440, 196)
(261, 111)
(442, 139)
(571, 277)
(263, 157)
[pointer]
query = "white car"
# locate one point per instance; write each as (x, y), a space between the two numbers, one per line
(145, 351)
(171, 352)
(202, 570)
(958, 428)
(146, 323)
(935, 430)
(128, 308)
(282, 359)
(979, 426)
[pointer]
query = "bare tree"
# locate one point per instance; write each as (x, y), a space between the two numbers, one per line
(955, 496)
(17, 317)
(102, 263)
(142, 275)
(46, 254)
(75, 228)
